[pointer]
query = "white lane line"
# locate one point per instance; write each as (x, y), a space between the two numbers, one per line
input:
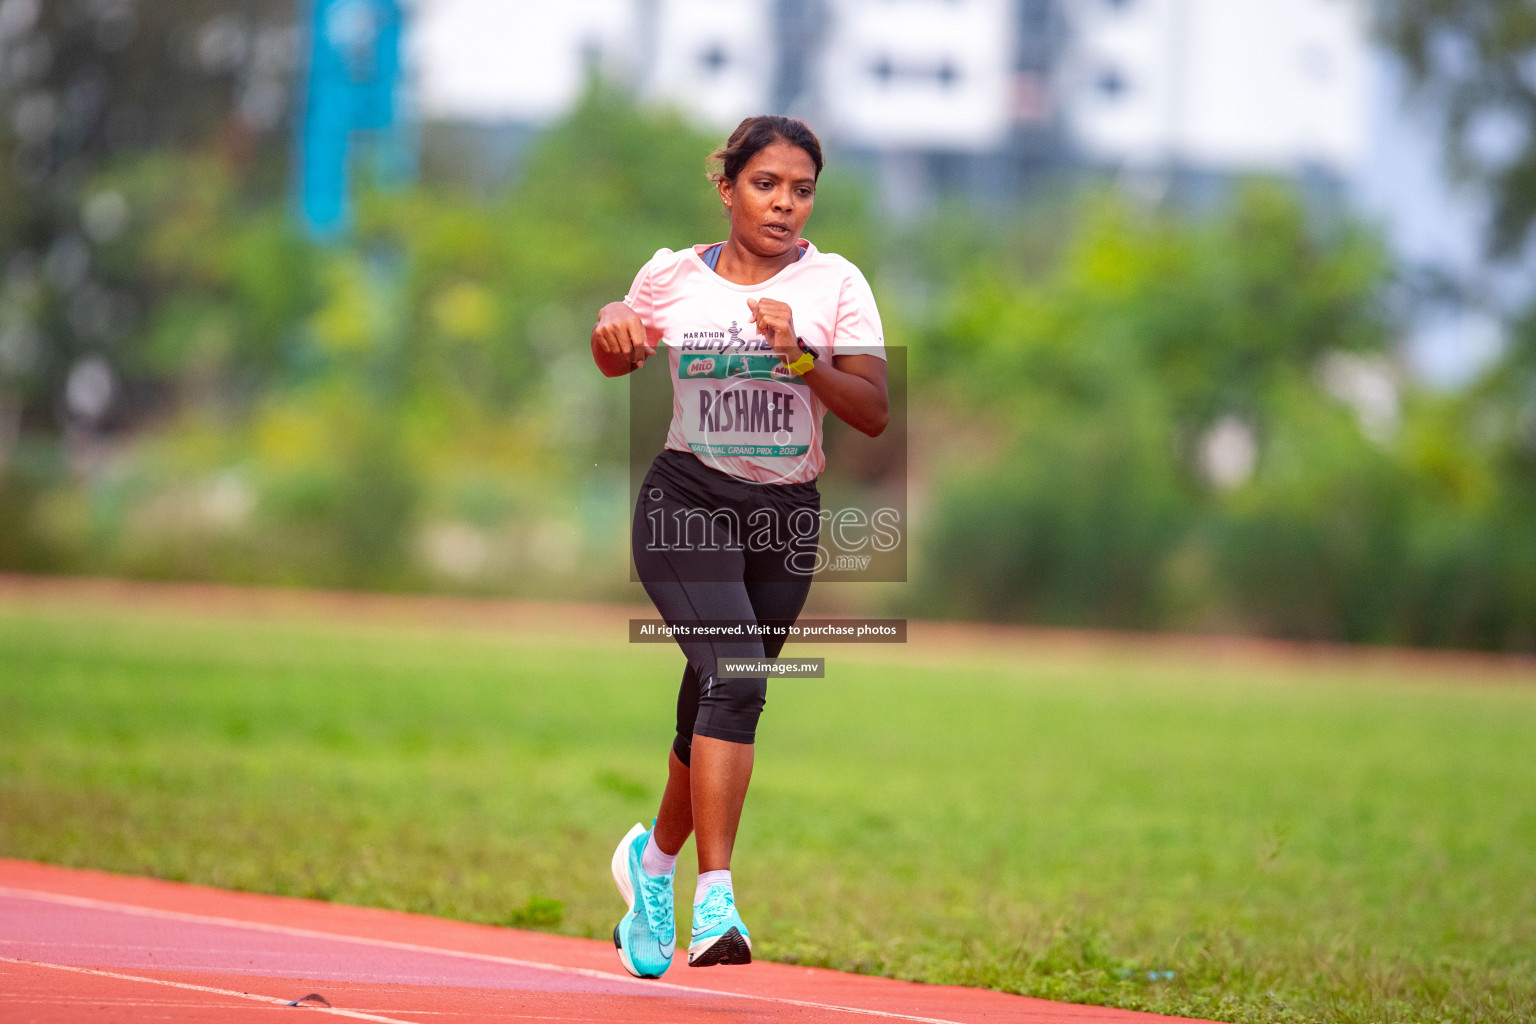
(273, 1000)
(585, 972)
(127, 1003)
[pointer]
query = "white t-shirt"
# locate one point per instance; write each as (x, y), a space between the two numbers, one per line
(734, 403)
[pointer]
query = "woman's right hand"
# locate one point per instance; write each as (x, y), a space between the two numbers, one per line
(619, 341)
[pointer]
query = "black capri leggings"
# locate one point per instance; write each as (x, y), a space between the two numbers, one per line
(713, 548)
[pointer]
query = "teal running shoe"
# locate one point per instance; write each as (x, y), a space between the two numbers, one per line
(646, 936)
(719, 936)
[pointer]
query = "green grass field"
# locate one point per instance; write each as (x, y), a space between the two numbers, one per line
(1236, 839)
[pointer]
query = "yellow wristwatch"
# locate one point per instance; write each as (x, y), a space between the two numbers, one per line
(807, 359)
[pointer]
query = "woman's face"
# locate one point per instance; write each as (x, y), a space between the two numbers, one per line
(771, 198)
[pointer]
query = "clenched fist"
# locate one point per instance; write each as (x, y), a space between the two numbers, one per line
(776, 324)
(619, 340)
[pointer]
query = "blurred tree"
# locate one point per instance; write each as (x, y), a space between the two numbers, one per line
(84, 85)
(1199, 423)
(1109, 382)
(1476, 60)
(418, 370)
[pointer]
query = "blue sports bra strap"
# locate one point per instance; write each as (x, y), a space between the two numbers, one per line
(711, 256)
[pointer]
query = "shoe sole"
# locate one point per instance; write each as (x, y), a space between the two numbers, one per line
(727, 950)
(620, 868)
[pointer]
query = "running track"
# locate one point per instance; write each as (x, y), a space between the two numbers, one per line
(86, 946)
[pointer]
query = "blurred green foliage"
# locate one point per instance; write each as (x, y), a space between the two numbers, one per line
(1123, 415)
(1472, 61)
(1364, 508)
(84, 87)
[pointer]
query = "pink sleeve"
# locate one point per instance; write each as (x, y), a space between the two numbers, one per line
(858, 330)
(642, 294)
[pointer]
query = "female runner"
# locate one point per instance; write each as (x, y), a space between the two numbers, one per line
(764, 334)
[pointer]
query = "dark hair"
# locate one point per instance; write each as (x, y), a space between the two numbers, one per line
(757, 133)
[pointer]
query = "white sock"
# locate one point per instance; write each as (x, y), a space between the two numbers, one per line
(709, 878)
(653, 862)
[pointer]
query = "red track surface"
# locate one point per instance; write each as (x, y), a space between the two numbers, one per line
(80, 946)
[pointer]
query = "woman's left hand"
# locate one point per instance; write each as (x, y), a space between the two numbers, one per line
(776, 324)
(853, 387)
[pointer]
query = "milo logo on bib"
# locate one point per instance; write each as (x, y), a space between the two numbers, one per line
(735, 364)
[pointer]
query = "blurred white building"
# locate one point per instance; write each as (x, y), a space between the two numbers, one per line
(1271, 85)
(1206, 84)
(918, 74)
(978, 94)
(714, 59)
(513, 60)
(925, 74)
